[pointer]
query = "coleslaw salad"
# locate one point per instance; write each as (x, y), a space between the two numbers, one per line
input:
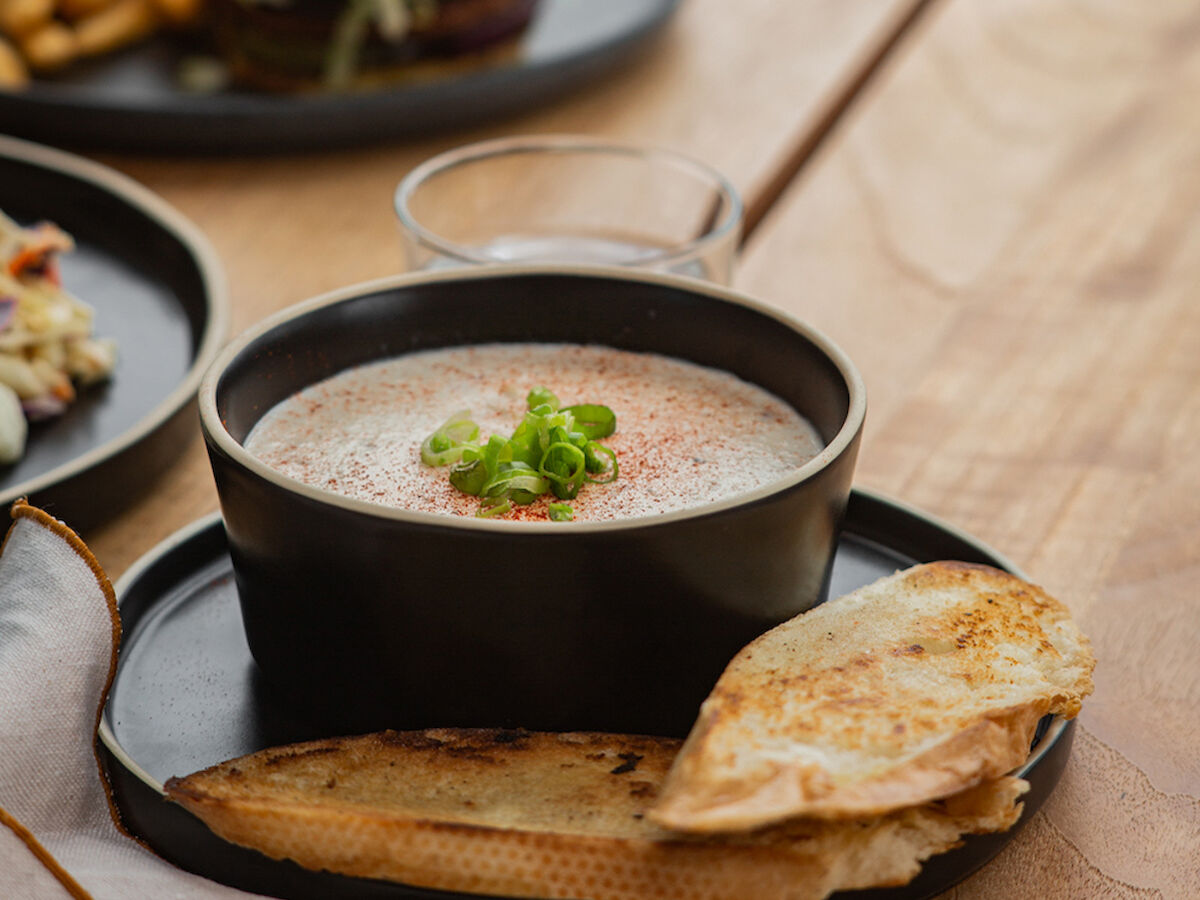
(47, 349)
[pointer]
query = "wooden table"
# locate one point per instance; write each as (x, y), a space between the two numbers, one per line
(993, 206)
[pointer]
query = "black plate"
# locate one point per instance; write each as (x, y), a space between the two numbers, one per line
(132, 103)
(157, 290)
(186, 697)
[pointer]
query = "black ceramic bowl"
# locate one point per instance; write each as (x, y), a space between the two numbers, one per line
(366, 617)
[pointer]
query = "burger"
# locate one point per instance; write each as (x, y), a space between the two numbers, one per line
(294, 45)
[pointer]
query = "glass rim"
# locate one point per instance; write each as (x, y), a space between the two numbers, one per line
(561, 144)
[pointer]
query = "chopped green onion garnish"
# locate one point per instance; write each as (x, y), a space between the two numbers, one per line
(488, 509)
(553, 449)
(593, 451)
(563, 464)
(469, 477)
(540, 396)
(515, 482)
(447, 445)
(593, 420)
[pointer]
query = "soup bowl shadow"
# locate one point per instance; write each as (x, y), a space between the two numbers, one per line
(367, 617)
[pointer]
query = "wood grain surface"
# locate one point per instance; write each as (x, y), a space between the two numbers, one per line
(1002, 227)
(1004, 233)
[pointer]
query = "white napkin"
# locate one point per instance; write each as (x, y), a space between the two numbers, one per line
(59, 633)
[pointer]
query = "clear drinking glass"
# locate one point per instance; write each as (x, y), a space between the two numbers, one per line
(561, 198)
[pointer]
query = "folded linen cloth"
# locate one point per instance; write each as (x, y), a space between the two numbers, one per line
(59, 630)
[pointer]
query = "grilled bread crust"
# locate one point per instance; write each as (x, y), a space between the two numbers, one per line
(915, 687)
(554, 816)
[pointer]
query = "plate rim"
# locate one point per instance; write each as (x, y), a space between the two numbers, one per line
(218, 311)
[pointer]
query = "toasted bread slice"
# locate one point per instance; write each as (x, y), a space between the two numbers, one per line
(915, 687)
(551, 816)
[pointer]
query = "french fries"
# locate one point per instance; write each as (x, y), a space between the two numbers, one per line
(43, 36)
(13, 71)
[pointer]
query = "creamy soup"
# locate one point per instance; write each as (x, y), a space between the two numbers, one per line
(686, 434)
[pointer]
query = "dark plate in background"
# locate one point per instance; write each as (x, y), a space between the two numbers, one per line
(186, 697)
(131, 101)
(158, 290)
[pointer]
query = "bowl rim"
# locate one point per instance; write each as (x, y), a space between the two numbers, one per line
(216, 433)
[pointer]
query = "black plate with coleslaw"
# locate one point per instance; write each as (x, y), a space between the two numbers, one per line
(157, 290)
